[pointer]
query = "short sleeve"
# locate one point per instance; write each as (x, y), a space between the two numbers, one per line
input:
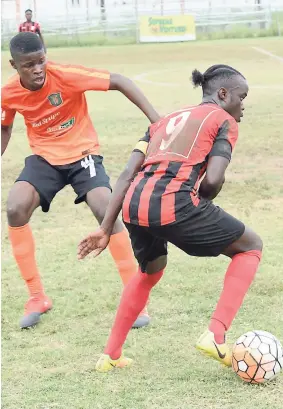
(20, 28)
(94, 80)
(7, 116)
(142, 144)
(226, 139)
(83, 79)
(221, 147)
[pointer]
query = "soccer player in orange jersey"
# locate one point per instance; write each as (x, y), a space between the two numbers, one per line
(65, 151)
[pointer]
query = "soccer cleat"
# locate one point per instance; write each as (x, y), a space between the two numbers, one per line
(143, 319)
(207, 345)
(106, 364)
(34, 308)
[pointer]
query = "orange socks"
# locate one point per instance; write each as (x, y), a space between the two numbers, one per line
(24, 252)
(122, 253)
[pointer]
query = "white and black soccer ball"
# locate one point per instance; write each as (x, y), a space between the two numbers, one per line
(257, 357)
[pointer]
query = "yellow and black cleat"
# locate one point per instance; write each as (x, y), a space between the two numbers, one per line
(207, 345)
(106, 364)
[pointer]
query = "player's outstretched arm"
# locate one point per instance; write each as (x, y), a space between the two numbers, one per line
(214, 178)
(134, 94)
(97, 241)
(6, 132)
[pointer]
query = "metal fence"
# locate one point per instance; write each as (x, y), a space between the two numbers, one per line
(71, 18)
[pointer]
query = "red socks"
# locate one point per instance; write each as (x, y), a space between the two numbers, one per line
(134, 298)
(238, 279)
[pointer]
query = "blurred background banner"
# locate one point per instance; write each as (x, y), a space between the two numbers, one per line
(167, 28)
(86, 22)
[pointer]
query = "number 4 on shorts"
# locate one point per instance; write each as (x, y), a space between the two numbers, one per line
(89, 163)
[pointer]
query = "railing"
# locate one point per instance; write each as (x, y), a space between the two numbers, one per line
(123, 20)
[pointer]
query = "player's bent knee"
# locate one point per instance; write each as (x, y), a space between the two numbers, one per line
(22, 201)
(17, 213)
(251, 240)
(247, 242)
(156, 265)
(257, 243)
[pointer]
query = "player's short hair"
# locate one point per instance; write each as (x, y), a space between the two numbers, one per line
(213, 74)
(25, 43)
(28, 10)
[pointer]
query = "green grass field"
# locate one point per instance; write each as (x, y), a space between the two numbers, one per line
(52, 366)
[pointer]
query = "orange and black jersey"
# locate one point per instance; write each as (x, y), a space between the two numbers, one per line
(179, 147)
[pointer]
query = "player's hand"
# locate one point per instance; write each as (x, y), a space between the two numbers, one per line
(94, 243)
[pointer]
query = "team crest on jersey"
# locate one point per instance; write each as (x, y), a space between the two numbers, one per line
(55, 99)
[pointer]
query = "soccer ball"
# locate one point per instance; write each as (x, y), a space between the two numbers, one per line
(257, 357)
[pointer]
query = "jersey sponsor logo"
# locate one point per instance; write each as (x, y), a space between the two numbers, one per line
(68, 123)
(45, 121)
(64, 125)
(3, 115)
(55, 99)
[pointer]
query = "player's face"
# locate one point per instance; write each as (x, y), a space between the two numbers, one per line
(232, 100)
(31, 68)
(28, 15)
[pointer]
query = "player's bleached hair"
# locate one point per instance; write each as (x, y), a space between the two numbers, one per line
(213, 74)
(25, 43)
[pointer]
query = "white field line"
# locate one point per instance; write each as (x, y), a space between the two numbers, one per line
(262, 51)
(142, 78)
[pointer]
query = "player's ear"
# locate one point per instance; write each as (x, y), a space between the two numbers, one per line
(222, 94)
(13, 64)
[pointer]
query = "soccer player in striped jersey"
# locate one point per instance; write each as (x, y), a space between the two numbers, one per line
(180, 168)
(65, 150)
(31, 26)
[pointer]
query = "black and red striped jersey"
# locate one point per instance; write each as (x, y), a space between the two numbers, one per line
(179, 146)
(31, 26)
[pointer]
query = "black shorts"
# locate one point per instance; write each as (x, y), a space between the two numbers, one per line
(205, 231)
(83, 175)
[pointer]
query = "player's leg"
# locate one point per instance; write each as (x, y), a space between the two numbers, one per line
(209, 231)
(91, 183)
(119, 246)
(245, 254)
(151, 254)
(37, 185)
